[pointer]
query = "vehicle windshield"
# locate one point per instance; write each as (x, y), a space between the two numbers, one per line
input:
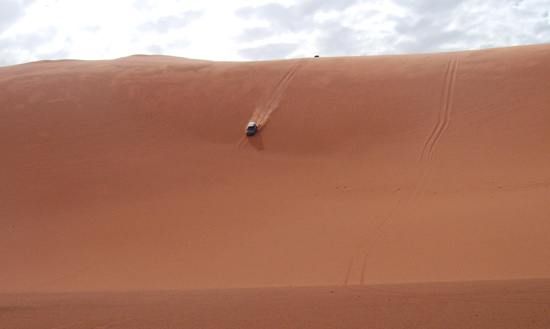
(251, 125)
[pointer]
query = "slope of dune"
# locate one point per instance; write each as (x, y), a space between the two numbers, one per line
(135, 174)
(462, 305)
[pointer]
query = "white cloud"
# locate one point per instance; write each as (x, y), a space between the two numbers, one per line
(24, 47)
(262, 29)
(11, 11)
(277, 50)
(164, 24)
(400, 26)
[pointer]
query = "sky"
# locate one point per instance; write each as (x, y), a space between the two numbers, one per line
(246, 30)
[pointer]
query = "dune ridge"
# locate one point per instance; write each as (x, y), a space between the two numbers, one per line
(135, 174)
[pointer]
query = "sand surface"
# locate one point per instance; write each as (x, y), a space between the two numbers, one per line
(488, 304)
(135, 175)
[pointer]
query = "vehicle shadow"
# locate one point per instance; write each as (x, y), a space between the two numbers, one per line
(257, 142)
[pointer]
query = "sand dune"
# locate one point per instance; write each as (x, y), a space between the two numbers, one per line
(135, 174)
(487, 304)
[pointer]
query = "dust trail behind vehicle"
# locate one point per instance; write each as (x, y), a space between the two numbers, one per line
(271, 101)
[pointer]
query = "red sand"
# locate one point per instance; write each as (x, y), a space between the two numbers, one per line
(490, 304)
(135, 174)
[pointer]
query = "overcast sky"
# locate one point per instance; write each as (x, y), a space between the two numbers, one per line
(241, 30)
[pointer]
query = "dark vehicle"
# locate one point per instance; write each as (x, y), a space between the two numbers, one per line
(251, 129)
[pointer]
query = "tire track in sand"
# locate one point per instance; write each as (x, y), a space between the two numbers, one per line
(426, 158)
(444, 115)
(268, 105)
(270, 102)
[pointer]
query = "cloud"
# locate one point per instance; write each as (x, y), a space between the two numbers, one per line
(294, 18)
(37, 29)
(280, 21)
(31, 47)
(154, 49)
(429, 7)
(178, 44)
(255, 33)
(143, 5)
(92, 28)
(166, 23)
(161, 48)
(341, 40)
(468, 24)
(11, 11)
(269, 51)
(342, 28)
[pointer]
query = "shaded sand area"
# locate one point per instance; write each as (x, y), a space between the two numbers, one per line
(135, 175)
(490, 304)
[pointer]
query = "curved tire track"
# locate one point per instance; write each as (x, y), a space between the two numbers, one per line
(426, 158)
(444, 115)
